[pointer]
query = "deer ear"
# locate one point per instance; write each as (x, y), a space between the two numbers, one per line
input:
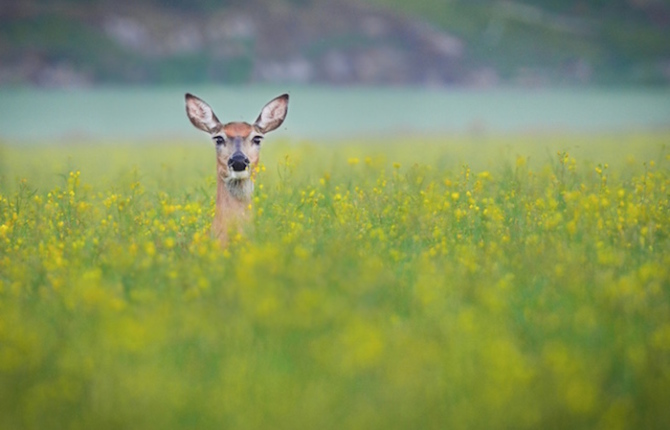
(201, 115)
(273, 114)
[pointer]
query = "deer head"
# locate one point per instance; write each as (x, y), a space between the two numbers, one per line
(237, 143)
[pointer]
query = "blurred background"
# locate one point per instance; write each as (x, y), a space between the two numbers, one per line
(103, 68)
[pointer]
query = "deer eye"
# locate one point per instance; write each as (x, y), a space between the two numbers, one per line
(219, 140)
(257, 140)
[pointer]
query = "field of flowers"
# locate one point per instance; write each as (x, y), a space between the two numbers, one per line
(447, 282)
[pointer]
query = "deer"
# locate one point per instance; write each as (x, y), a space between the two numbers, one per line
(238, 147)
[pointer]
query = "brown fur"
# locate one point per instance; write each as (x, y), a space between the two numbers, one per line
(241, 129)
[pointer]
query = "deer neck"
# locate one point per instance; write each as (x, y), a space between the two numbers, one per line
(233, 199)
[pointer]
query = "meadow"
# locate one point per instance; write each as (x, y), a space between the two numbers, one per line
(467, 281)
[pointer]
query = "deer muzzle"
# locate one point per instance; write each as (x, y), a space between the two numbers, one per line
(238, 162)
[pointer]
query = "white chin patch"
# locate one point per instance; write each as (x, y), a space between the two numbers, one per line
(245, 174)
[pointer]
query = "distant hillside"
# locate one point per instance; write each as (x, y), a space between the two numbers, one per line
(389, 42)
(601, 41)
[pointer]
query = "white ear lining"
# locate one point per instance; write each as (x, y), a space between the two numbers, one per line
(200, 113)
(272, 115)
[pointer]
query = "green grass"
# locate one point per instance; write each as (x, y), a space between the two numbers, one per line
(463, 282)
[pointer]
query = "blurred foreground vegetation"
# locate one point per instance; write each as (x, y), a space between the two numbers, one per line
(468, 282)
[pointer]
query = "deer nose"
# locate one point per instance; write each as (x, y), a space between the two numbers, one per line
(238, 162)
